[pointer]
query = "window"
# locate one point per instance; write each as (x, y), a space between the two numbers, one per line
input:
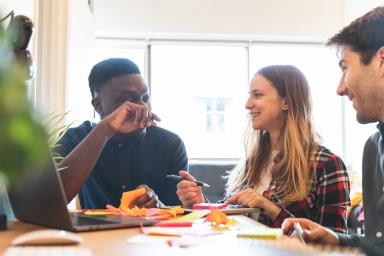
(199, 92)
(214, 113)
(355, 136)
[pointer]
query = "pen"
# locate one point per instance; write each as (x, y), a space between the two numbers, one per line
(299, 231)
(178, 178)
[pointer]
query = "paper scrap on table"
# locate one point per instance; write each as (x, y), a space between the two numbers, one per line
(144, 239)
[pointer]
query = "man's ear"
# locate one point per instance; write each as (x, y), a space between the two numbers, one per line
(96, 103)
(380, 54)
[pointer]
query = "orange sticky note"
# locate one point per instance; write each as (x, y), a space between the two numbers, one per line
(217, 217)
(129, 198)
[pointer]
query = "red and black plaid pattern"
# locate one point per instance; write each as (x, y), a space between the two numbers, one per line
(328, 199)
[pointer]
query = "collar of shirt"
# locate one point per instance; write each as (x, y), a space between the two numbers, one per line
(380, 126)
(123, 141)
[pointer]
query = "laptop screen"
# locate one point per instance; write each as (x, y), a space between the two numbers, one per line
(37, 196)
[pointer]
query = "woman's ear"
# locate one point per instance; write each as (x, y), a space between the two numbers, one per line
(284, 105)
(96, 103)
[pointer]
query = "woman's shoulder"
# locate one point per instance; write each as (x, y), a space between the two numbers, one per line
(323, 154)
(325, 160)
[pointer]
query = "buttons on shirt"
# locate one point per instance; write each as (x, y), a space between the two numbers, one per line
(379, 234)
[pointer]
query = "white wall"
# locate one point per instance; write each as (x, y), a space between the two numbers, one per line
(48, 48)
(27, 8)
(356, 8)
(80, 53)
(301, 18)
(24, 7)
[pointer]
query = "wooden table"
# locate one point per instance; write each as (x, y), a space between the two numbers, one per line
(114, 243)
(106, 242)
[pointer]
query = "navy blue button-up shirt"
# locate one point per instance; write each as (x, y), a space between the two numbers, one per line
(125, 164)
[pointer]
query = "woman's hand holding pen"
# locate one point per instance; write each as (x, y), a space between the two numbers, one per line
(189, 192)
(312, 232)
(250, 198)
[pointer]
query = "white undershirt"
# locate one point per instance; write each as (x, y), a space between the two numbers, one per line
(265, 181)
(266, 175)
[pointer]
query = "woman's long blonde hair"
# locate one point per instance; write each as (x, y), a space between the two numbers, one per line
(297, 141)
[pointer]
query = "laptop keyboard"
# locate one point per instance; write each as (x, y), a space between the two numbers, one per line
(47, 251)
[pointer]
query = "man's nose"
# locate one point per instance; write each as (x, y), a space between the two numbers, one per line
(342, 89)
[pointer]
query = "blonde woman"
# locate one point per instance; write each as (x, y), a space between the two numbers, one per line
(286, 172)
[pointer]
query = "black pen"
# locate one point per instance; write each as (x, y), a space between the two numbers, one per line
(179, 178)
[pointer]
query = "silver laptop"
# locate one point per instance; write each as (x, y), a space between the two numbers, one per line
(37, 197)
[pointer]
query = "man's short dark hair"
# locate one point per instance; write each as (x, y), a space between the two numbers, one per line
(365, 35)
(107, 69)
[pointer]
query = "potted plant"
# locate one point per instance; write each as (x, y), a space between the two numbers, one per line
(22, 137)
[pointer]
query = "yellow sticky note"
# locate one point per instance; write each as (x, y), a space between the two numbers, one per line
(93, 213)
(195, 215)
(260, 233)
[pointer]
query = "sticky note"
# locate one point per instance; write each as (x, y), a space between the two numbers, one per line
(195, 215)
(260, 233)
(201, 206)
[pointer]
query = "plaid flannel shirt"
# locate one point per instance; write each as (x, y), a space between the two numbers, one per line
(328, 199)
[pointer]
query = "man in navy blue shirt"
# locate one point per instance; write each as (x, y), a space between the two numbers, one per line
(125, 149)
